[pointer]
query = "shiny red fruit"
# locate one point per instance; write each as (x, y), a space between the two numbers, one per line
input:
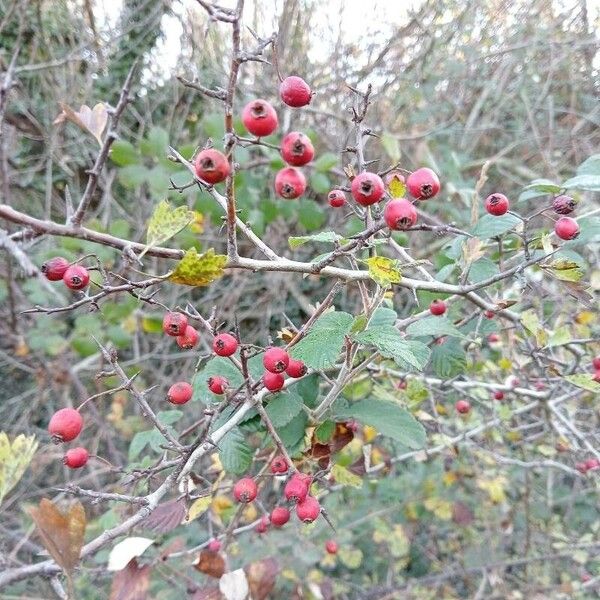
(498, 395)
(596, 362)
(463, 407)
(279, 465)
(564, 205)
(437, 307)
(188, 339)
(245, 490)
(174, 323)
(400, 214)
(308, 510)
(489, 314)
(331, 546)
(259, 118)
(280, 516)
(296, 368)
(65, 425)
(54, 269)
(180, 393)
(276, 360)
(212, 166)
(225, 344)
(295, 92)
(566, 228)
(367, 188)
(297, 149)
(592, 464)
(497, 204)
(76, 277)
(217, 384)
(296, 489)
(214, 545)
(423, 184)
(273, 381)
(493, 338)
(336, 198)
(75, 458)
(290, 183)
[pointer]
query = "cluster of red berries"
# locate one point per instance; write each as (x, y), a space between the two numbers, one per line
(176, 325)
(75, 277)
(65, 425)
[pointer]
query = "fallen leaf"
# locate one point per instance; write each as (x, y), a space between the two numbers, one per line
(126, 550)
(131, 583)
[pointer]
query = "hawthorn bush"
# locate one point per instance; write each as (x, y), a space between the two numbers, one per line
(261, 342)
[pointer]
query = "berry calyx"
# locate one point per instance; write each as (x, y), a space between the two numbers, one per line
(65, 425)
(54, 269)
(423, 184)
(296, 368)
(280, 516)
(437, 307)
(566, 228)
(263, 525)
(214, 545)
(75, 458)
(180, 393)
(296, 489)
(331, 546)
(273, 381)
(217, 384)
(564, 205)
(400, 214)
(297, 149)
(225, 344)
(279, 465)
(212, 166)
(259, 118)
(295, 92)
(497, 204)
(462, 407)
(174, 323)
(367, 188)
(188, 339)
(498, 395)
(290, 183)
(596, 362)
(308, 510)
(336, 198)
(76, 277)
(276, 360)
(245, 490)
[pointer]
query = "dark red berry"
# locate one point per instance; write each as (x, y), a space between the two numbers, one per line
(596, 376)
(297, 149)
(423, 184)
(290, 183)
(296, 368)
(214, 545)
(65, 425)
(76, 277)
(400, 214)
(276, 360)
(498, 395)
(245, 490)
(217, 384)
(336, 198)
(497, 204)
(331, 546)
(75, 458)
(437, 307)
(212, 166)
(566, 228)
(279, 465)
(180, 393)
(296, 489)
(225, 344)
(263, 525)
(463, 407)
(367, 188)
(259, 118)
(564, 205)
(174, 323)
(295, 92)
(596, 362)
(280, 516)
(489, 314)
(308, 510)
(493, 338)
(54, 269)
(273, 381)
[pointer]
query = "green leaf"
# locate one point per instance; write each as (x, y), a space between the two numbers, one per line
(166, 222)
(344, 477)
(324, 431)
(585, 381)
(292, 434)
(545, 186)
(531, 322)
(310, 215)
(490, 226)
(383, 316)
(283, 408)
(132, 176)
(583, 182)
(123, 153)
(156, 142)
(325, 162)
(435, 326)
(323, 236)
(590, 166)
(235, 454)
(389, 419)
(198, 269)
(168, 417)
(384, 271)
(391, 146)
(481, 269)
(322, 345)
(448, 359)
(319, 182)
(390, 343)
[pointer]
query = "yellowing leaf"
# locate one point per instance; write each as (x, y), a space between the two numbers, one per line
(396, 186)
(442, 509)
(92, 120)
(384, 271)
(449, 478)
(198, 269)
(14, 460)
(220, 504)
(585, 317)
(505, 363)
(345, 477)
(250, 513)
(351, 557)
(565, 270)
(166, 221)
(197, 224)
(495, 488)
(370, 433)
(531, 322)
(198, 507)
(585, 381)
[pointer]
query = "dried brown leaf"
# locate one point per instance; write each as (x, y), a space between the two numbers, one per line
(92, 120)
(166, 516)
(131, 583)
(211, 563)
(261, 577)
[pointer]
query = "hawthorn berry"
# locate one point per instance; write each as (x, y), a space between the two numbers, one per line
(174, 323)
(540, 385)
(367, 188)
(512, 381)
(463, 407)
(493, 338)
(331, 546)
(297, 487)
(596, 362)
(273, 381)
(564, 205)
(423, 184)
(581, 467)
(497, 204)
(295, 92)
(188, 339)
(276, 360)
(279, 465)
(297, 149)
(259, 118)
(280, 516)
(489, 314)
(212, 166)
(591, 464)
(75, 458)
(65, 425)
(76, 277)
(400, 214)
(245, 490)
(180, 393)
(566, 228)
(214, 545)
(290, 183)
(296, 368)
(263, 525)
(336, 198)
(217, 384)
(54, 269)
(498, 395)
(437, 307)
(225, 344)
(308, 509)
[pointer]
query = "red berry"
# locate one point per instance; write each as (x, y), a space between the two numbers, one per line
(489, 314)
(352, 425)
(294, 91)
(564, 205)
(437, 307)
(75, 458)
(540, 385)
(296, 489)
(581, 467)
(174, 323)
(592, 464)
(245, 490)
(596, 376)
(498, 395)
(76, 277)
(497, 204)
(463, 407)
(180, 393)
(218, 384)
(331, 546)
(55, 268)
(225, 344)
(296, 368)
(259, 118)
(400, 214)
(273, 381)
(493, 338)
(276, 360)
(280, 516)
(596, 362)
(65, 425)
(279, 465)
(367, 188)
(308, 510)
(423, 184)
(211, 166)
(297, 149)
(214, 545)
(336, 198)
(512, 381)
(263, 525)
(188, 339)
(566, 228)
(290, 183)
